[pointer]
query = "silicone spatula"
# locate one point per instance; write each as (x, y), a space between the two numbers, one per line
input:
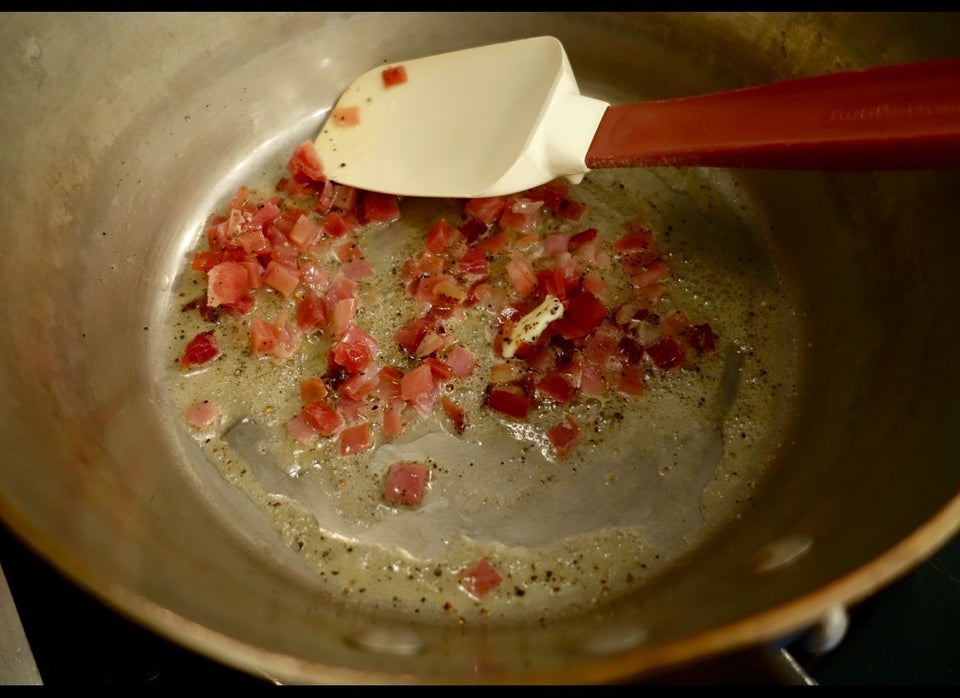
(502, 118)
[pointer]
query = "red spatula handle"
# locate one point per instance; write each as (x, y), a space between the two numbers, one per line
(892, 117)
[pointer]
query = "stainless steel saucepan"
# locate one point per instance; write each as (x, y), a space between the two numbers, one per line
(811, 461)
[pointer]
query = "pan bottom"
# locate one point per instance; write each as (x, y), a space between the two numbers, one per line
(653, 478)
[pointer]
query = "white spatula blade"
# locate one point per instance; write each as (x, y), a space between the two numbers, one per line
(491, 120)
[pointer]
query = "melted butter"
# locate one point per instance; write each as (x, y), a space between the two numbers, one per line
(652, 478)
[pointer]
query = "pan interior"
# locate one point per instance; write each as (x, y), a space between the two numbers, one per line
(654, 476)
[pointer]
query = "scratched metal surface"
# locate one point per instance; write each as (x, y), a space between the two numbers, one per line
(17, 665)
